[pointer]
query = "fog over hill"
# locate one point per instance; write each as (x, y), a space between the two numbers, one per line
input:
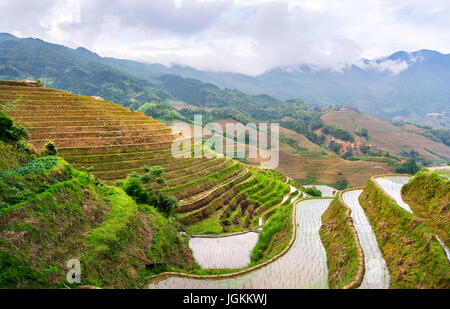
(403, 86)
(409, 86)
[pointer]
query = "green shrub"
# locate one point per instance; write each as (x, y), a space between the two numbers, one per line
(50, 149)
(15, 273)
(10, 132)
(138, 186)
(408, 167)
(313, 191)
(35, 177)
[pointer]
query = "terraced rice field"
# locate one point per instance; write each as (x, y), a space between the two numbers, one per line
(376, 275)
(231, 252)
(108, 140)
(235, 207)
(392, 185)
(303, 266)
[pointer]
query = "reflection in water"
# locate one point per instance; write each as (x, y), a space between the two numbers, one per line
(231, 252)
(303, 266)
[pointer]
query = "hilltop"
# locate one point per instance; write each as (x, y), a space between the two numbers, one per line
(398, 139)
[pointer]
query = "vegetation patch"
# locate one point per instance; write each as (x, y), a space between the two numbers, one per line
(428, 194)
(275, 235)
(339, 241)
(414, 257)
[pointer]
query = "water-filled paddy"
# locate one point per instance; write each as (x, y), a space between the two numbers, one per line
(327, 191)
(303, 266)
(376, 275)
(231, 252)
(392, 185)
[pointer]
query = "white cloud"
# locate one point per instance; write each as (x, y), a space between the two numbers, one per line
(247, 36)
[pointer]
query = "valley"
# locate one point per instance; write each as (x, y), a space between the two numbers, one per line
(98, 183)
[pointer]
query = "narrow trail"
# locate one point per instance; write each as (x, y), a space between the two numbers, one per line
(392, 185)
(303, 266)
(376, 275)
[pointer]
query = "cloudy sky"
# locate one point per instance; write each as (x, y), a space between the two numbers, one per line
(246, 36)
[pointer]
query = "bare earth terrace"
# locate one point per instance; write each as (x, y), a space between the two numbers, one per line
(107, 139)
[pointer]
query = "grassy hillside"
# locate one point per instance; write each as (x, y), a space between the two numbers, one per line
(118, 241)
(339, 239)
(51, 213)
(428, 194)
(414, 257)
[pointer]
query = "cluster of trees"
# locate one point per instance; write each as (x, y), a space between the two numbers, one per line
(439, 135)
(161, 111)
(362, 133)
(338, 133)
(408, 167)
(139, 187)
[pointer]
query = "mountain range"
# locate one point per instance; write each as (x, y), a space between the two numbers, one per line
(409, 86)
(405, 86)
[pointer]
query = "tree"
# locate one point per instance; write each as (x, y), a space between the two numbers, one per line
(408, 167)
(362, 132)
(139, 187)
(50, 149)
(9, 131)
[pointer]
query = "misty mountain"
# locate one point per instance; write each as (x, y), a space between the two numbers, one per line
(132, 84)
(403, 86)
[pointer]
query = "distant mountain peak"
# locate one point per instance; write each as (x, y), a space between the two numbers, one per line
(7, 36)
(86, 51)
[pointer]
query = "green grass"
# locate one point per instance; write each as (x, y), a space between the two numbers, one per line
(52, 213)
(14, 155)
(24, 182)
(428, 194)
(414, 257)
(340, 244)
(275, 235)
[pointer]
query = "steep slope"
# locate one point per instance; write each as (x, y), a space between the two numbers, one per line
(106, 139)
(51, 213)
(386, 136)
(302, 159)
(428, 194)
(413, 255)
